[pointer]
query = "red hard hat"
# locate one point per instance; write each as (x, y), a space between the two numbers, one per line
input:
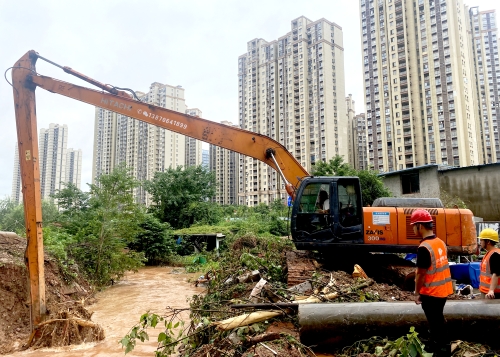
(420, 216)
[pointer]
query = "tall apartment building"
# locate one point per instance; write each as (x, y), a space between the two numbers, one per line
(205, 159)
(292, 90)
(58, 164)
(143, 147)
(484, 42)
(193, 146)
(419, 95)
(224, 163)
(360, 136)
(74, 167)
(52, 146)
(16, 194)
(351, 128)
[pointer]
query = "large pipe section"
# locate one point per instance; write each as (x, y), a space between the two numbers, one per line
(470, 320)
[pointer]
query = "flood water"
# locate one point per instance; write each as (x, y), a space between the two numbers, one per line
(120, 307)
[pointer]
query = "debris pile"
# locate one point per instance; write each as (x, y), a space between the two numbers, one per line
(70, 324)
(250, 305)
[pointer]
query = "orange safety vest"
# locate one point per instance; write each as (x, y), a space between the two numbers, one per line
(438, 277)
(485, 277)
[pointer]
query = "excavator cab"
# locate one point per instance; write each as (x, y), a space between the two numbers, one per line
(327, 211)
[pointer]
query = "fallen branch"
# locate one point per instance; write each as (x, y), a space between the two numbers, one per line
(255, 340)
(246, 319)
(80, 322)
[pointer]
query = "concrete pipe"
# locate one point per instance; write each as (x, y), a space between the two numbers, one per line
(322, 324)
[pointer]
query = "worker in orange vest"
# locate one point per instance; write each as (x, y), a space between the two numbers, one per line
(432, 279)
(490, 265)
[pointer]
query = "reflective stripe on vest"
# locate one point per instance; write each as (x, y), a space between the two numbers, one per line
(437, 278)
(485, 277)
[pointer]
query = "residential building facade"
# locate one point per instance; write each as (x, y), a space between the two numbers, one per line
(351, 128)
(193, 146)
(74, 167)
(205, 159)
(16, 194)
(484, 41)
(52, 146)
(142, 147)
(419, 95)
(224, 163)
(360, 135)
(58, 164)
(292, 90)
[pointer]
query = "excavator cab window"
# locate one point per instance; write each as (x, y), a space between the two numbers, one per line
(314, 207)
(350, 211)
(327, 210)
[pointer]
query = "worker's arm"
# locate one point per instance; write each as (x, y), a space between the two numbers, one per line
(419, 283)
(493, 285)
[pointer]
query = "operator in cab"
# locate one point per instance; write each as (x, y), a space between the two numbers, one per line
(490, 265)
(432, 280)
(323, 202)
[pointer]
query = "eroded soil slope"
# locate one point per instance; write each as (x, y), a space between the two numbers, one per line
(14, 296)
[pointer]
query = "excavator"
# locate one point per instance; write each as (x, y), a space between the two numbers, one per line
(344, 224)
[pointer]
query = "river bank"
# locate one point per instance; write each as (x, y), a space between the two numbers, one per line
(120, 306)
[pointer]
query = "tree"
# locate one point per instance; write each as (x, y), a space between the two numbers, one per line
(12, 215)
(71, 199)
(74, 206)
(334, 167)
(201, 213)
(174, 190)
(154, 240)
(108, 226)
(372, 185)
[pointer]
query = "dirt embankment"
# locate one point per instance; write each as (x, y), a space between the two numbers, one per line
(14, 293)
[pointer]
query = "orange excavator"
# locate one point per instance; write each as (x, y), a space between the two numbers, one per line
(339, 224)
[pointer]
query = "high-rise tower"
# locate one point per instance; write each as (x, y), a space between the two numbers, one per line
(58, 164)
(193, 146)
(484, 42)
(52, 145)
(419, 95)
(292, 90)
(224, 163)
(143, 147)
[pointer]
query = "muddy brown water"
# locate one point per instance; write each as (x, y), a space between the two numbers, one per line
(120, 307)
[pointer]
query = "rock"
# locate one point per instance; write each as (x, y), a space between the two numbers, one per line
(244, 278)
(301, 288)
(255, 275)
(257, 290)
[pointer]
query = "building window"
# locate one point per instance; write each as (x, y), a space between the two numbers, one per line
(410, 183)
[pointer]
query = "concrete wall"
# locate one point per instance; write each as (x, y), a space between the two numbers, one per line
(429, 183)
(477, 186)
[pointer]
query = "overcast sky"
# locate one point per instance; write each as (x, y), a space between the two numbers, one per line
(131, 44)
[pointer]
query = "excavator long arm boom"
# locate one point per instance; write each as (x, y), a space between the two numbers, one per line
(26, 79)
(225, 136)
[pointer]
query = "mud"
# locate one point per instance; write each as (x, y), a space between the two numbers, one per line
(119, 307)
(14, 300)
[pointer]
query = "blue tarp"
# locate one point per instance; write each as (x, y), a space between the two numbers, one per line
(467, 273)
